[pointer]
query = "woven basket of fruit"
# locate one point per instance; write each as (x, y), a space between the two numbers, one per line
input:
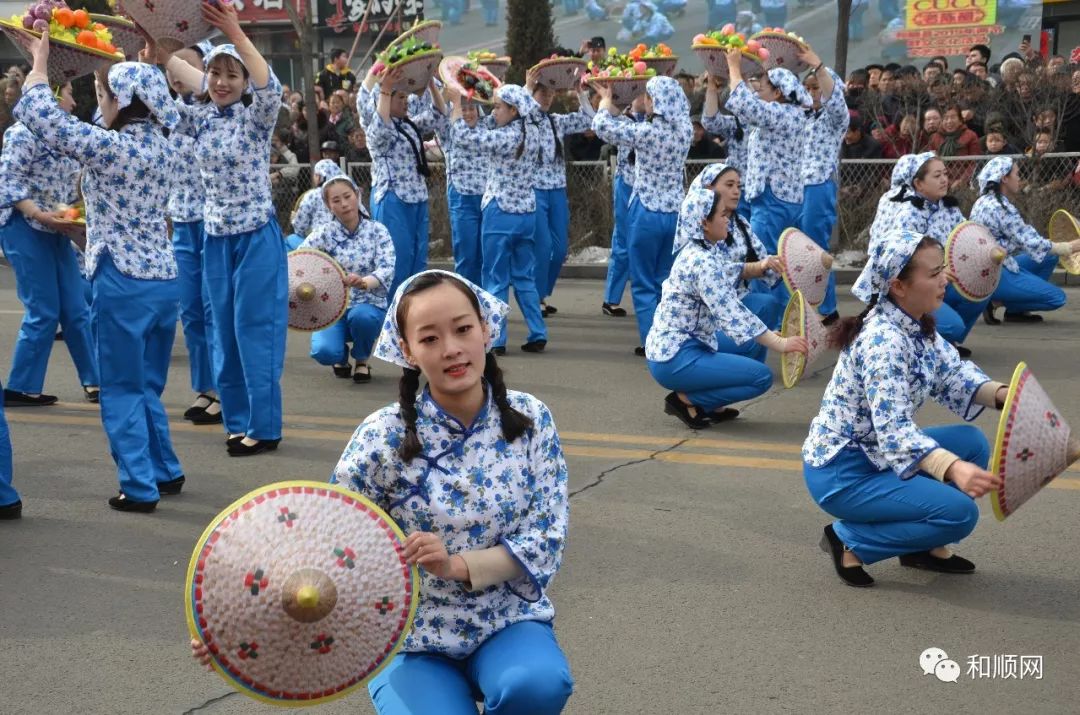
(126, 35)
(78, 46)
(494, 64)
(784, 48)
(625, 74)
(428, 31)
(473, 82)
(418, 59)
(173, 24)
(624, 90)
(559, 73)
(711, 49)
(658, 57)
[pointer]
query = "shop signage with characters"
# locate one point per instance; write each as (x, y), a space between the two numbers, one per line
(948, 27)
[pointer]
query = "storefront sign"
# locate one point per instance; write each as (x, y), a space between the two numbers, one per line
(948, 27)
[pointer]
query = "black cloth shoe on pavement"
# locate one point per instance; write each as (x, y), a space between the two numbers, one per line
(851, 575)
(343, 371)
(928, 562)
(499, 351)
(122, 503)
(988, 315)
(676, 407)
(11, 511)
(613, 311)
(1022, 317)
(21, 399)
(92, 394)
(639, 351)
(535, 346)
(239, 449)
(171, 487)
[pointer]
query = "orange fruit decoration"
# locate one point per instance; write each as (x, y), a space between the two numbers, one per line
(87, 38)
(72, 214)
(81, 18)
(64, 16)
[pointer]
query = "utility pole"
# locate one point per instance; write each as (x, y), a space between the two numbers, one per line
(843, 9)
(305, 30)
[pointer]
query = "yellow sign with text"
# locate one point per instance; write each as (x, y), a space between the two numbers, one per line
(939, 14)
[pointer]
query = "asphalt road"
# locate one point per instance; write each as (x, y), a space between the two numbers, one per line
(692, 581)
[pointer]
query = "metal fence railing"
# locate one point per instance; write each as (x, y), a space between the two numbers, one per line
(1050, 182)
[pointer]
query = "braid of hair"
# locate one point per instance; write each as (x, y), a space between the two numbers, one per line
(514, 423)
(900, 195)
(555, 136)
(751, 254)
(407, 388)
(524, 136)
(848, 329)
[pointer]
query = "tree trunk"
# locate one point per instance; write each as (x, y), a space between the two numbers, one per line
(529, 35)
(305, 32)
(843, 19)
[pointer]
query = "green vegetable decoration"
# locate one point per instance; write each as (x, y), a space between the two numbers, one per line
(727, 39)
(615, 65)
(407, 49)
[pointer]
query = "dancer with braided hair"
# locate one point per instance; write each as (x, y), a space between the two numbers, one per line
(475, 476)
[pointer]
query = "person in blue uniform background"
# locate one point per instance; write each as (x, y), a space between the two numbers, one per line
(129, 256)
(34, 180)
(244, 265)
(311, 211)
(466, 179)
(618, 268)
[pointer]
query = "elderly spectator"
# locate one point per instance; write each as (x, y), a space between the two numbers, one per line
(357, 151)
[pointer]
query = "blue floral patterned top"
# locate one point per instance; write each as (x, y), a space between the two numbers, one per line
(698, 299)
(624, 168)
(30, 170)
(126, 185)
(776, 149)
(1010, 229)
(467, 171)
(886, 213)
(933, 219)
(727, 127)
(736, 255)
(880, 382)
(188, 196)
(551, 173)
(311, 213)
(826, 133)
(510, 176)
(367, 251)
(397, 148)
(660, 145)
(233, 146)
(475, 490)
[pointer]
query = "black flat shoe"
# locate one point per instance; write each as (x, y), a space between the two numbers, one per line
(962, 351)
(195, 410)
(92, 395)
(613, 311)
(639, 351)
(535, 346)
(830, 319)
(171, 487)
(676, 407)
(239, 449)
(928, 562)
(230, 441)
(122, 503)
(361, 374)
(1022, 317)
(499, 351)
(988, 315)
(206, 417)
(723, 414)
(851, 575)
(11, 511)
(547, 310)
(21, 399)
(343, 371)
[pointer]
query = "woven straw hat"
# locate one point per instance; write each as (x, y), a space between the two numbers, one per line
(806, 266)
(318, 296)
(300, 592)
(1064, 227)
(801, 320)
(783, 51)
(560, 73)
(623, 89)
(973, 255)
(1034, 443)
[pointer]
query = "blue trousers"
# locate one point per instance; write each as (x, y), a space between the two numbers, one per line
(711, 379)
(8, 495)
(361, 325)
(817, 221)
(408, 227)
(652, 235)
(451, 12)
(882, 516)
(247, 284)
(188, 239)
(967, 311)
(855, 23)
(769, 218)
(293, 241)
(50, 287)
(135, 322)
(571, 6)
(1030, 290)
(518, 671)
(552, 237)
(949, 323)
(466, 217)
(766, 307)
(491, 11)
(510, 260)
(617, 263)
(595, 11)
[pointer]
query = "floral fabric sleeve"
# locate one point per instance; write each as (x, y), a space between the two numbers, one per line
(956, 382)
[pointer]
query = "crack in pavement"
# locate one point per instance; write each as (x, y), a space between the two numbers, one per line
(210, 702)
(600, 477)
